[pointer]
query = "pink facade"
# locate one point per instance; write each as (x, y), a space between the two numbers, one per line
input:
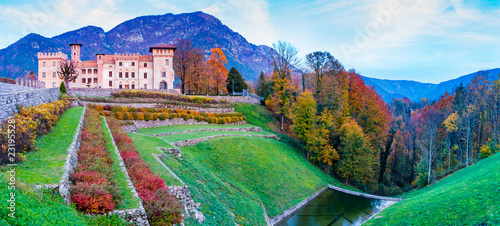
(118, 71)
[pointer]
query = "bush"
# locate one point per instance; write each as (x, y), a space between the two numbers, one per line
(147, 116)
(161, 207)
(99, 108)
(168, 96)
(94, 188)
(62, 87)
(154, 116)
(140, 116)
(162, 116)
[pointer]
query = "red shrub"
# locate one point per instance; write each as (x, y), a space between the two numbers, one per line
(88, 176)
(91, 198)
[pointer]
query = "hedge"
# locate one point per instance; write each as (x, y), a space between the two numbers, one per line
(131, 113)
(94, 188)
(161, 207)
(168, 96)
(29, 123)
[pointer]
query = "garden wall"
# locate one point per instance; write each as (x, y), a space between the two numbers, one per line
(184, 143)
(169, 122)
(155, 105)
(243, 129)
(238, 99)
(95, 92)
(12, 95)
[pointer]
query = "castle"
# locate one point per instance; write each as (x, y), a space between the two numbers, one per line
(118, 71)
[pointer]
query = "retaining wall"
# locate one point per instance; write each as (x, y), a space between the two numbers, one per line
(184, 143)
(24, 97)
(245, 129)
(175, 121)
(96, 92)
(155, 105)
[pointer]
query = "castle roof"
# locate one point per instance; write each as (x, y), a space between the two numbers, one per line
(162, 47)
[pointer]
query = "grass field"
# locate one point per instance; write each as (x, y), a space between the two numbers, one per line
(128, 201)
(256, 115)
(470, 196)
(147, 146)
(199, 134)
(45, 165)
(179, 128)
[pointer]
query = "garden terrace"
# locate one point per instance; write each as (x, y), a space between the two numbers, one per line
(200, 134)
(168, 96)
(186, 128)
(161, 207)
(94, 188)
(146, 114)
(159, 102)
(45, 166)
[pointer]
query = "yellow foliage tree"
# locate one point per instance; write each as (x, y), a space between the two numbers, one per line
(216, 62)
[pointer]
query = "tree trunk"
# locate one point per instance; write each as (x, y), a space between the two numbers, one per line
(282, 121)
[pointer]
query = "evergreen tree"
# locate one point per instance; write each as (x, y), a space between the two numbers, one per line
(62, 88)
(239, 82)
(263, 86)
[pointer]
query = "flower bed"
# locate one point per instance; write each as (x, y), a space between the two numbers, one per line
(29, 124)
(146, 114)
(168, 96)
(94, 188)
(162, 208)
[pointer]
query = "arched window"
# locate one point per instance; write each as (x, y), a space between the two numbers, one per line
(132, 84)
(126, 74)
(83, 80)
(127, 85)
(132, 74)
(120, 75)
(120, 85)
(95, 80)
(163, 73)
(95, 71)
(84, 72)
(89, 71)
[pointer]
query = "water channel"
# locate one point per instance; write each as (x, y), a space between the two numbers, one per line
(334, 208)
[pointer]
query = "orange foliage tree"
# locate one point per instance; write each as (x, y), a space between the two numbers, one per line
(216, 62)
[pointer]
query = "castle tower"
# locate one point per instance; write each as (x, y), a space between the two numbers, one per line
(100, 71)
(163, 71)
(75, 52)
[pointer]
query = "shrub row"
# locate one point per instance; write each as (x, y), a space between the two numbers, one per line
(94, 188)
(161, 207)
(160, 102)
(26, 126)
(169, 96)
(131, 113)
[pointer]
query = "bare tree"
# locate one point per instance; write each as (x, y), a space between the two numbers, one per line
(182, 61)
(67, 72)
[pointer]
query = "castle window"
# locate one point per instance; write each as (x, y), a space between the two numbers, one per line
(133, 63)
(99, 57)
(95, 71)
(89, 71)
(163, 74)
(53, 74)
(133, 75)
(83, 80)
(120, 75)
(44, 64)
(126, 74)
(54, 85)
(145, 86)
(145, 64)
(120, 64)
(84, 71)
(43, 74)
(168, 62)
(120, 86)
(95, 80)
(145, 75)
(54, 63)
(110, 83)
(110, 74)
(133, 86)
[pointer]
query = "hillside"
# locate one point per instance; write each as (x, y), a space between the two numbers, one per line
(467, 197)
(415, 91)
(136, 36)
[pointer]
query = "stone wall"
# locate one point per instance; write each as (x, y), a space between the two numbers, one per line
(238, 99)
(96, 92)
(71, 161)
(175, 121)
(244, 129)
(12, 95)
(184, 143)
(155, 105)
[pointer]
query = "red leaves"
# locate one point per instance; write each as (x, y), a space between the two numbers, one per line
(91, 198)
(162, 208)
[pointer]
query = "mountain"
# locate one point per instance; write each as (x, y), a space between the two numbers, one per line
(415, 91)
(136, 36)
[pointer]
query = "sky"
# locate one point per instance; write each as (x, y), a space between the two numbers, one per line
(421, 40)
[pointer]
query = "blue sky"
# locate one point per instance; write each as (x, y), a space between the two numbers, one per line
(421, 40)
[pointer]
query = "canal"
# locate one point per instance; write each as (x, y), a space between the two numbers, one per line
(334, 208)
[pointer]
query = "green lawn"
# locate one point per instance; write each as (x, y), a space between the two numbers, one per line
(244, 171)
(257, 115)
(128, 201)
(46, 165)
(470, 196)
(199, 134)
(179, 128)
(146, 147)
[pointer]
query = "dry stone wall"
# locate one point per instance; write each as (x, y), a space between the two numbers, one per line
(244, 129)
(175, 121)
(154, 105)
(96, 92)
(184, 143)
(12, 95)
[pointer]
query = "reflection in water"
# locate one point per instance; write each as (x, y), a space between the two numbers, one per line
(334, 208)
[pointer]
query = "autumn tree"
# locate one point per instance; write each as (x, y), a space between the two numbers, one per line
(235, 79)
(356, 161)
(321, 63)
(216, 62)
(284, 59)
(319, 146)
(304, 115)
(182, 61)
(67, 72)
(263, 86)
(196, 72)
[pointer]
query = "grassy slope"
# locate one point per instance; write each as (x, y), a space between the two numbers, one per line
(45, 165)
(256, 115)
(470, 196)
(199, 134)
(179, 128)
(128, 201)
(146, 147)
